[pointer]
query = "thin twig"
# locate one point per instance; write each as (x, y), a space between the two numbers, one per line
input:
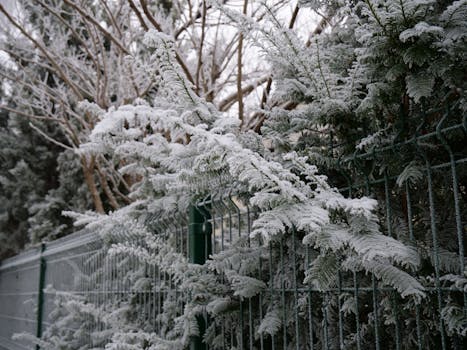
(92, 20)
(239, 71)
(41, 48)
(138, 14)
(201, 43)
(228, 101)
(58, 143)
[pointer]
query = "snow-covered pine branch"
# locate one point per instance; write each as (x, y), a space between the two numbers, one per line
(187, 150)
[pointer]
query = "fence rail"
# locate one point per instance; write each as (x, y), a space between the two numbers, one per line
(24, 302)
(421, 191)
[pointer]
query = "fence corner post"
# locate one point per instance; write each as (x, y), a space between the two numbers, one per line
(199, 237)
(40, 294)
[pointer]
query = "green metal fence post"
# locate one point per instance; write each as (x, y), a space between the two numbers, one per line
(40, 294)
(199, 238)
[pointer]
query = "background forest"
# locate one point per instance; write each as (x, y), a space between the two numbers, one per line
(114, 111)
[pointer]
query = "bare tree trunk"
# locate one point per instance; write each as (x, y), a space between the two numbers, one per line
(105, 186)
(88, 171)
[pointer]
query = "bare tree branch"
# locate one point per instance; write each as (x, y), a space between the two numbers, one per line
(138, 14)
(200, 49)
(239, 72)
(43, 50)
(47, 137)
(228, 101)
(92, 20)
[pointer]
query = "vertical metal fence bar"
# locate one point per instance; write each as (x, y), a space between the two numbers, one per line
(357, 318)
(214, 227)
(164, 295)
(373, 278)
(82, 289)
(221, 219)
(271, 286)
(367, 191)
(325, 305)
(92, 294)
(104, 290)
(260, 304)
(434, 234)
(154, 297)
(387, 204)
(310, 319)
(455, 192)
(374, 287)
(355, 278)
(138, 291)
(146, 295)
(108, 289)
(100, 290)
(284, 309)
(159, 299)
(250, 322)
(217, 220)
(339, 306)
(199, 241)
(120, 279)
(395, 308)
(40, 293)
(409, 212)
(230, 224)
(89, 294)
(295, 287)
(260, 266)
(224, 345)
(96, 293)
(310, 306)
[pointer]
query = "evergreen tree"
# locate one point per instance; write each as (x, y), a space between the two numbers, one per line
(379, 74)
(201, 150)
(38, 182)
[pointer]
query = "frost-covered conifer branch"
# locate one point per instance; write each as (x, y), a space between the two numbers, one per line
(285, 201)
(173, 148)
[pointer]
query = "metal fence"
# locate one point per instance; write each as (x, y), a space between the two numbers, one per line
(420, 185)
(25, 304)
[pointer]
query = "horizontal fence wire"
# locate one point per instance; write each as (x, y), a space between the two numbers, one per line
(420, 186)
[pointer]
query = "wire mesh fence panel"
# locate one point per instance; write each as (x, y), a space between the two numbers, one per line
(84, 287)
(419, 183)
(281, 293)
(287, 313)
(18, 297)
